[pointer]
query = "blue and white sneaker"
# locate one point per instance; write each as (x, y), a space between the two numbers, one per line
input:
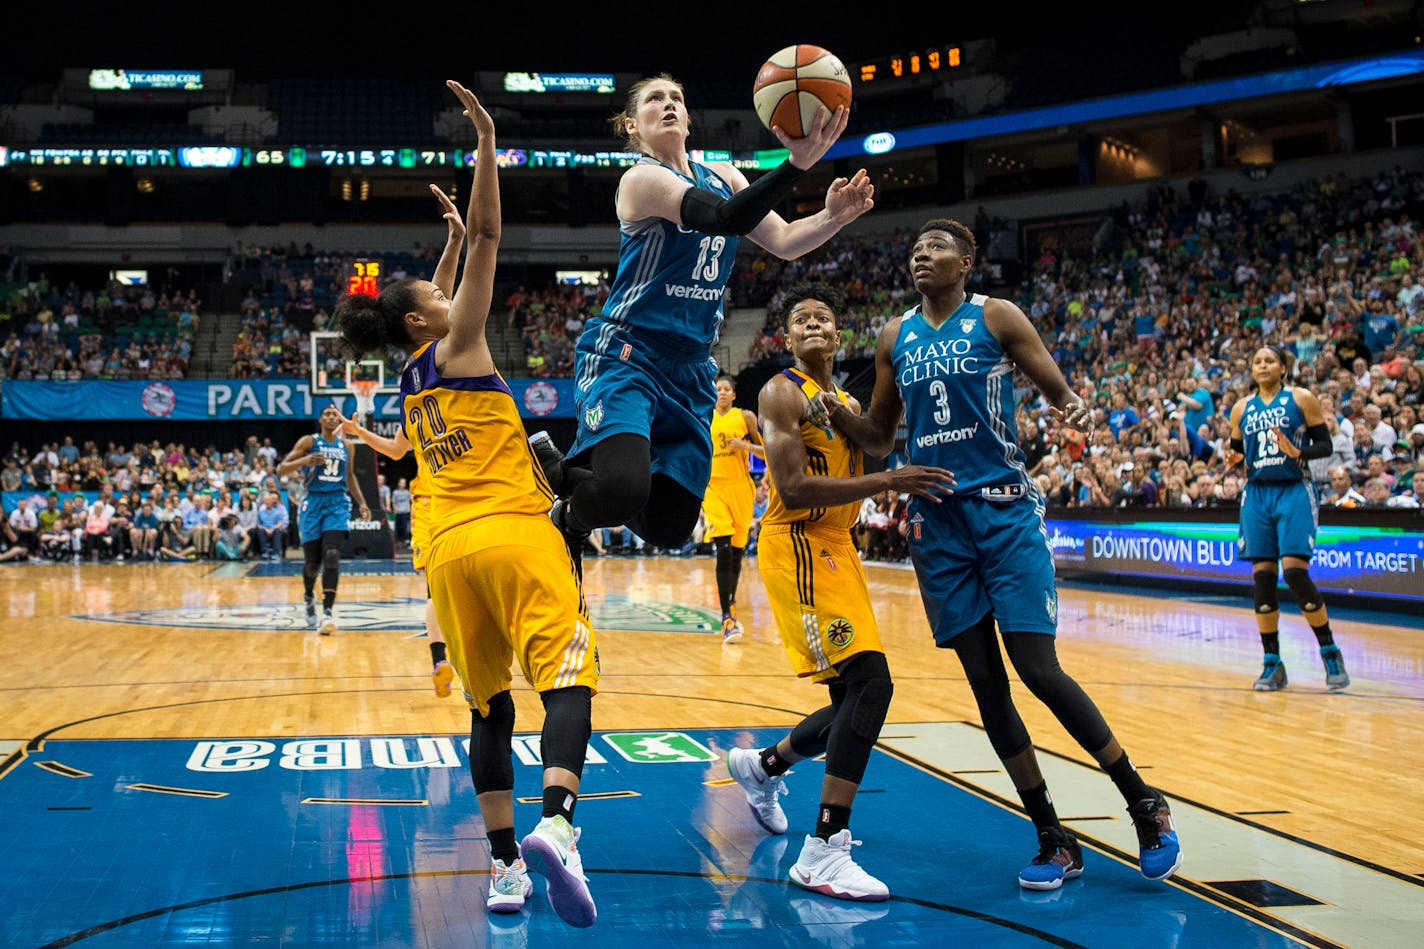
(551, 850)
(1059, 858)
(1160, 854)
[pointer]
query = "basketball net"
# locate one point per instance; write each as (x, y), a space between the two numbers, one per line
(365, 390)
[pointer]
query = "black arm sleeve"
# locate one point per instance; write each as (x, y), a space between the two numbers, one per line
(709, 213)
(1238, 445)
(1317, 443)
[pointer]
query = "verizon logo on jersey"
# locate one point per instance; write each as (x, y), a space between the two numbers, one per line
(947, 436)
(692, 293)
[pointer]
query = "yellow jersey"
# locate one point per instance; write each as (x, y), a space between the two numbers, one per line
(729, 465)
(471, 449)
(827, 455)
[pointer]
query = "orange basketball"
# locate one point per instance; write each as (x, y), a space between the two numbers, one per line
(794, 83)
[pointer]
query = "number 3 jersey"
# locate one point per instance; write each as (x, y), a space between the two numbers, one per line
(669, 282)
(1264, 459)
(957, 384)
(473, 454)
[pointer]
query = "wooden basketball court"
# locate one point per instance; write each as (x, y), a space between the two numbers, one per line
(139, 698)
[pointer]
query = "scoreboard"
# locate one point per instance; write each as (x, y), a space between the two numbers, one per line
(898, 68)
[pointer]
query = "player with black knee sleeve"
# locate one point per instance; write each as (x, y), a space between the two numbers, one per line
(1275, 432)
(503, 585)
(645, 385)
(816, 584)
(324, 517)
(730, 497)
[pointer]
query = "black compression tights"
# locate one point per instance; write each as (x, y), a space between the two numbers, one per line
(1035, 659)
(618, 488)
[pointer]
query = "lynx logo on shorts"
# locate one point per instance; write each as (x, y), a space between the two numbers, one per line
(1050, 605)
(593, 417)
(839, 632)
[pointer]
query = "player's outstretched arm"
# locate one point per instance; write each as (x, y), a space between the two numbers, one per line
(469, 309)
(393, 447)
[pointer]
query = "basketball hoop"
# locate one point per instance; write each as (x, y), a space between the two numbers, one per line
(365, 390)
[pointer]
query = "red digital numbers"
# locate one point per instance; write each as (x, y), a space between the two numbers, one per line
(364, 282)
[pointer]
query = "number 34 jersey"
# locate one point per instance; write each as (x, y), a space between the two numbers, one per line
(470, 445)
(957, 384)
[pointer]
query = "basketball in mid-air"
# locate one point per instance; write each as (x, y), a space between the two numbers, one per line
(794, 83)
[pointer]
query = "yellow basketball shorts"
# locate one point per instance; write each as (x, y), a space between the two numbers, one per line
(728, 509)
(504, 589)
(819, 599)
(419, 531)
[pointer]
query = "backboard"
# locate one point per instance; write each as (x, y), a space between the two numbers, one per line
(332, 371)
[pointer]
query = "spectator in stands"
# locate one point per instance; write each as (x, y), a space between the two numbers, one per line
(231, 542)
(24, 526)
(119, 527)
(143, 535)
(1123, 417)
(197, 530)
(97, 541)
(1138, 490)
(400, 505)
(272, 521)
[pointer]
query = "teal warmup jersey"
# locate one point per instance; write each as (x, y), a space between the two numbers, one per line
(957, 385)
(1264, 459)
(669, 282)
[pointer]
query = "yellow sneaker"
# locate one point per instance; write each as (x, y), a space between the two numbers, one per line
(443, 675)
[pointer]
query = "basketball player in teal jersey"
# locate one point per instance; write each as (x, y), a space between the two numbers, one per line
(324, 517)
(643, 367)
(1276, 431)
(981, 556)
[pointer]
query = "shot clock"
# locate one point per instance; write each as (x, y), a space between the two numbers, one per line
(364, 279)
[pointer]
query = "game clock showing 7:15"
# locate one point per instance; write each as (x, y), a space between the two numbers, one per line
(364, 278)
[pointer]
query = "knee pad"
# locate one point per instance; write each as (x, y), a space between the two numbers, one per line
(1264, 591)
(720, 544)
(1303, 588)
(868, 693)
(491, 761)
(567, 727)
(330, 558)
